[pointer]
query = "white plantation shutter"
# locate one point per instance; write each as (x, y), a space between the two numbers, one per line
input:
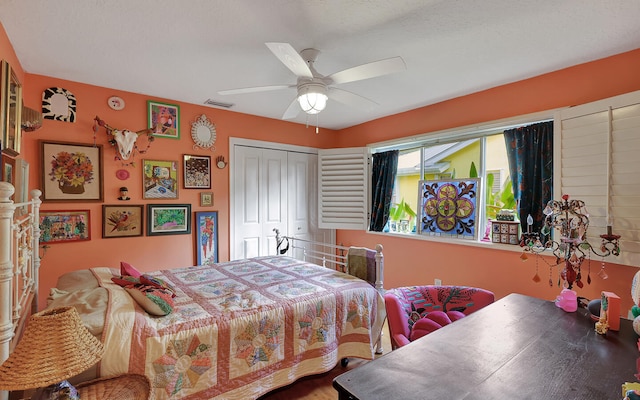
(598, 161)
(343, 192)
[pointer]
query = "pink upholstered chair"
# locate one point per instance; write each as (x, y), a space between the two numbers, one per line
(414, 311)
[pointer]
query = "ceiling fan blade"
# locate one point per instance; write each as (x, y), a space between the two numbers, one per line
(290, 57)
(351, 99)
(255, 89)
(366, 71)
(292, 111)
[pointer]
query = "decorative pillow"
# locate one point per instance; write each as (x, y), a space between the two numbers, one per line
(433, 321)
(157, 282)
(155, 301)
(127, 269)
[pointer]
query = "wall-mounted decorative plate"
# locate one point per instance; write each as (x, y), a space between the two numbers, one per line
(58, 104)
(203, 133)
(116, 103)
(122, 174)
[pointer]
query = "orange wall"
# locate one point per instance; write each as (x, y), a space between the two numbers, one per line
(408, 261)
(146, 253)
(411, 261)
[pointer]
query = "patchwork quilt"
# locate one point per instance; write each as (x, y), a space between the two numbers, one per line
(242, 328)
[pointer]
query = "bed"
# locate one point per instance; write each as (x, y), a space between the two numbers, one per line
(237, 329)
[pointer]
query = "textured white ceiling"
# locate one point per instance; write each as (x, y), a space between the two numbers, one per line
(188, 50)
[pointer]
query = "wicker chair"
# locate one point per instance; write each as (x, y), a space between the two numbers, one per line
(414, 311)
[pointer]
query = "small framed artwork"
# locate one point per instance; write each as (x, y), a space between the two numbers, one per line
(206, 237)
(159, 179)
(8, 169)
(206, 199)
(21, 177)
(197, 172)
(168, 219)
(122, 221)
(64, 226)
(71, 172)
(164, 119)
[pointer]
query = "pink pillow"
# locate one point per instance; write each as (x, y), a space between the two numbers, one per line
(127, 269)
(433, 321)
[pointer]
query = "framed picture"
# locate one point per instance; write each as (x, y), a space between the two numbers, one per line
(64, 226)
(206, 199)
(164, 119)
(122, 221)
(168, 219)
(197, 172)
(159, 179)
(8, 170)
(11, 103)
(21, 178)
(71, 171)
(206, 237)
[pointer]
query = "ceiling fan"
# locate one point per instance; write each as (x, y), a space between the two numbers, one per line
(314, 89)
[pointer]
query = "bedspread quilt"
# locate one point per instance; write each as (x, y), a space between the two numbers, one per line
(241, 328)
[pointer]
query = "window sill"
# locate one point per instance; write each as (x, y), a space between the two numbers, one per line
(446, 240)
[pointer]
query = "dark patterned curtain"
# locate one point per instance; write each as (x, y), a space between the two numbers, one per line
(530, 153)
(383, 175)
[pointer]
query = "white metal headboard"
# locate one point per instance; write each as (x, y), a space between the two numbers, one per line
(19, 265)
(326, 254)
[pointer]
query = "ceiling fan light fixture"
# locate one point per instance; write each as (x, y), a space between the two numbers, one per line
(312, 97)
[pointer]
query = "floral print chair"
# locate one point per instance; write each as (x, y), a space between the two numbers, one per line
(414, 311)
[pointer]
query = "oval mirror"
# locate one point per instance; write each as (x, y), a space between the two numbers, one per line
(203, 133)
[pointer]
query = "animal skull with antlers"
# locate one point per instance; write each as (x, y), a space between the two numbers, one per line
(125, 139)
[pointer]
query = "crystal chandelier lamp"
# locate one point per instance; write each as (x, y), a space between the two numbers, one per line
(564, 233)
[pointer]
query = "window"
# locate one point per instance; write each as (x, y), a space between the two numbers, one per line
(460, 159)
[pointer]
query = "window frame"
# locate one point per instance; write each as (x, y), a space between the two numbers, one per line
(459, 134)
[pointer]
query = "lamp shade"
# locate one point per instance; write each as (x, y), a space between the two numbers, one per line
(31, 119)
(55, 346)
(312, 97)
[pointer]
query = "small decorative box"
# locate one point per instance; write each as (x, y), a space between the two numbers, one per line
(506, 232)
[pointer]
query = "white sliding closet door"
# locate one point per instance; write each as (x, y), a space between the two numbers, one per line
(260, 200)
(273, 188)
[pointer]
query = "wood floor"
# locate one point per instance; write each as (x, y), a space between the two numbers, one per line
(319, 387)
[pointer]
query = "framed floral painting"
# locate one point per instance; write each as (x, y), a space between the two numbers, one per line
(64, 226)
(71, 172)
(206, 237)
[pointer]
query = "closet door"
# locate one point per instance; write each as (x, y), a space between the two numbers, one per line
(260, 200)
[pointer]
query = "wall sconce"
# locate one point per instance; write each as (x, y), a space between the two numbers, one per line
(571, 220)
(31, 119)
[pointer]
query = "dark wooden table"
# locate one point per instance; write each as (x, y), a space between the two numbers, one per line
(519, 348)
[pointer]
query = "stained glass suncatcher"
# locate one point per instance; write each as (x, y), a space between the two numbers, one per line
(448, 207)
